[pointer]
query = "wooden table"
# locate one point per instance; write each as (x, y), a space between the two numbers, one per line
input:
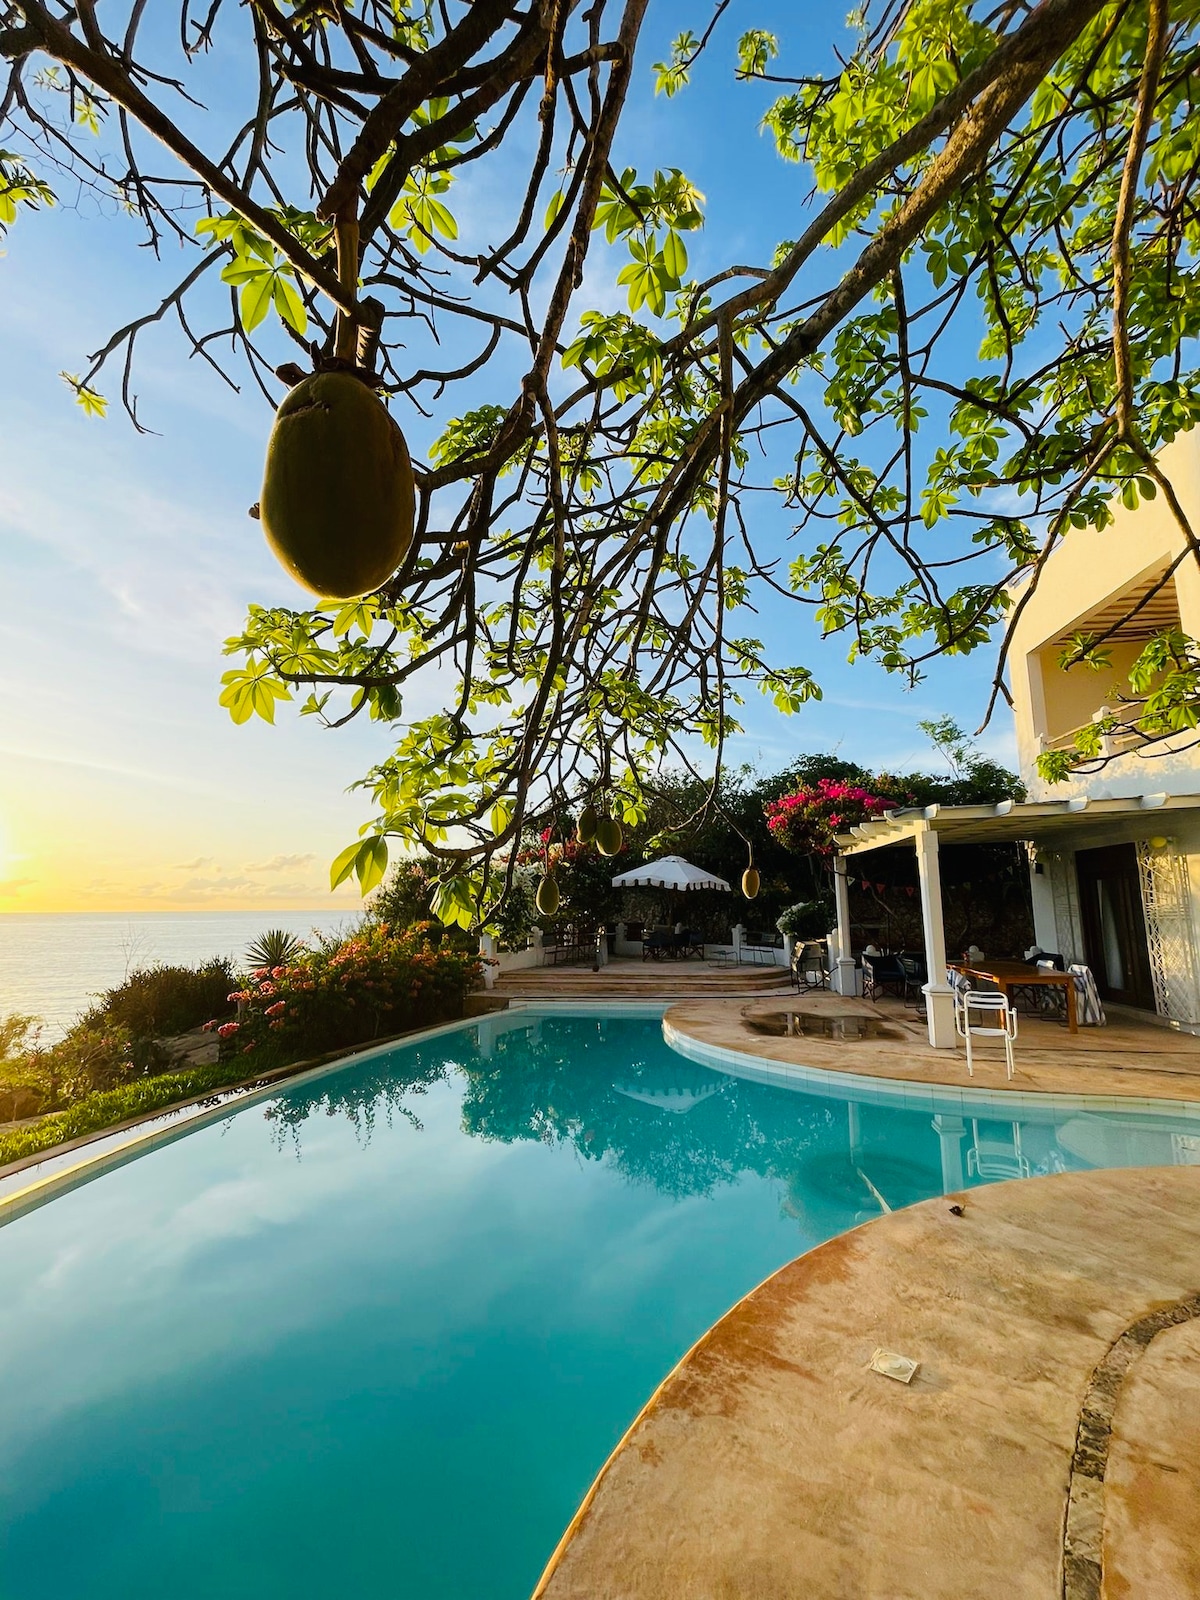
(1009, 975)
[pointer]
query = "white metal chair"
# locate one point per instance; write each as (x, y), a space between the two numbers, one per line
(998, 1020)
(996, 1158)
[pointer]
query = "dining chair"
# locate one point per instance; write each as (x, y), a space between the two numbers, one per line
(999, 1021)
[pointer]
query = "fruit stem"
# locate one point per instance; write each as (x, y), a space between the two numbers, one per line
(345, 347)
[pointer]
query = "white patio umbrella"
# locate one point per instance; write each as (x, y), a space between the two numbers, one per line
(669, 872)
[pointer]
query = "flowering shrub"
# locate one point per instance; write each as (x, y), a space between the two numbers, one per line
(375, 983)
(807, 820)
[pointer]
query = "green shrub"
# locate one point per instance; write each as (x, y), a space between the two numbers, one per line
(161, 1000)
(95, 1055)
(106, 1108)
(375, 983)
(22, 1088)
(405, 896)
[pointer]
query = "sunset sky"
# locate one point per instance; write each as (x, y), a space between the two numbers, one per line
(126, 560)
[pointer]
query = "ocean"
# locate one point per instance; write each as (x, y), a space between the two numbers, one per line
(51, 965)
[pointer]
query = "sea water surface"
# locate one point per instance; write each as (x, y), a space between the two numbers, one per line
(53, 964)
(374, 1335)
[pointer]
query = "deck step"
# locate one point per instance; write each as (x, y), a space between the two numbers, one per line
(635, 980)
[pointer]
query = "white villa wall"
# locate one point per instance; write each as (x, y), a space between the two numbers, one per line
(1090, 566)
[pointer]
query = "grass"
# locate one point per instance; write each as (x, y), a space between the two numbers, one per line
(107, 1107)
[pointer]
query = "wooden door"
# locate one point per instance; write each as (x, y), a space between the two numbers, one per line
(1114, 928)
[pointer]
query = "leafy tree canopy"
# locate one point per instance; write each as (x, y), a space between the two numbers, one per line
(980, 327)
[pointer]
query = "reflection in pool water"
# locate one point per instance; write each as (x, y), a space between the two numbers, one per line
(374, 1336)
(795, 1024)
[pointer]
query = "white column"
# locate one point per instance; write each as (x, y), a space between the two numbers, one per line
(487, 951)
(939, 996)
(950, 1131)
(1041, 894)
(844, 979)
(739, 933)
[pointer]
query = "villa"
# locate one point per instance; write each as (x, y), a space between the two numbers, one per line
(1114, 852)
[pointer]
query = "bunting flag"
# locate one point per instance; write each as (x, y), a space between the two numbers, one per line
(966, 886)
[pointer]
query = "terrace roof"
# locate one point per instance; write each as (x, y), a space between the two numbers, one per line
(1007, 820)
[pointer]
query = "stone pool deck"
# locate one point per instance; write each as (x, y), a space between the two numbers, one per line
(1124, 1058)
(1048, 1446)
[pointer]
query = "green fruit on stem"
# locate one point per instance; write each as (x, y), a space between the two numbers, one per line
(585, 827)
(337, 498)
(547, 897)
(608, 836)
(750, 882)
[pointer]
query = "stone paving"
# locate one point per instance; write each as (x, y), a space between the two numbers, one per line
(1054, 1325)
(1124, 1058)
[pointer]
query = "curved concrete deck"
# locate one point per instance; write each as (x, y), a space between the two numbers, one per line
(1047, 1446)
(1124, 1058)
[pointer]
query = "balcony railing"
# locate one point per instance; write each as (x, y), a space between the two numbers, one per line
(1111, 744)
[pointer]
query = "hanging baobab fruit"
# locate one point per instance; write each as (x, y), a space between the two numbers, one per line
(609, 837)
(337, 501)
(547, 896)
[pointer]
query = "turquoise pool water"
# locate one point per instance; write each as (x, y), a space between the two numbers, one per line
(373, 1336)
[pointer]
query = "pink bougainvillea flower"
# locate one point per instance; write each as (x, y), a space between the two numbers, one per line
(228, 1029)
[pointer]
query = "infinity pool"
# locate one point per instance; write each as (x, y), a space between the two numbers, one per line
(374, 1336)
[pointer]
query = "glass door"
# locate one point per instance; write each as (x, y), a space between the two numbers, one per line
(1114, 928)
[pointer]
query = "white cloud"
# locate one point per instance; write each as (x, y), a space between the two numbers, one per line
(226, 884)
(276, 863)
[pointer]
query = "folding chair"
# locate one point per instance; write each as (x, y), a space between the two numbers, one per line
(999, 1022)
(882, 974)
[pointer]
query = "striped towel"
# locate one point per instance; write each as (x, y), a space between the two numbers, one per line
(1087, 997)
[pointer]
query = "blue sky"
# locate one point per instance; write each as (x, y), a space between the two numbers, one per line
(126, 560)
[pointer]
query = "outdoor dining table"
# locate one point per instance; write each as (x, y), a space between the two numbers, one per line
(1009, 975)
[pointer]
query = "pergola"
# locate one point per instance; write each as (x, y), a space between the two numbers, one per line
(1009, 821)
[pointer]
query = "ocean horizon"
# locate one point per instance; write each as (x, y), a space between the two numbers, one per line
(54, 963)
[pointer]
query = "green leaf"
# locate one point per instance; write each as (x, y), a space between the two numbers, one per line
(675, 256)
(256, 299)
(555, 206)
(343, 865)
(288, 303)
(442, 219)
(755, 49)
(371, 862)
(92, 403)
